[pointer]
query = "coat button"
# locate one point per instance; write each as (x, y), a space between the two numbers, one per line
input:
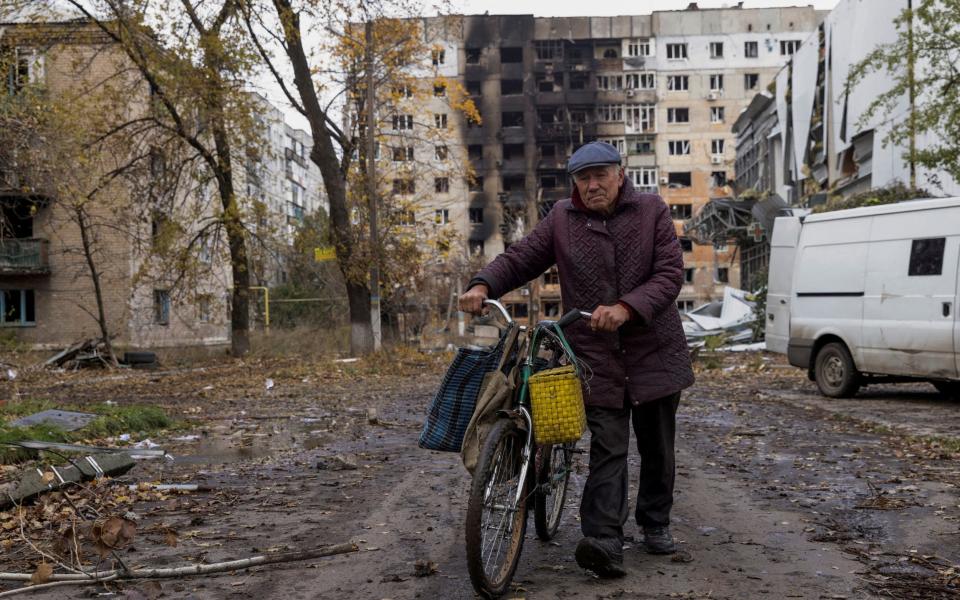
(626, 379)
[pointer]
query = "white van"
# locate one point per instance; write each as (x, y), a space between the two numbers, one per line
(868, 295)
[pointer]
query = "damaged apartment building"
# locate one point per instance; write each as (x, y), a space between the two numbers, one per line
(663, 88)
(47, 296)
(806, 135)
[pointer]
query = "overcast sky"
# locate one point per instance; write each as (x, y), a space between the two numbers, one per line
(571, 8)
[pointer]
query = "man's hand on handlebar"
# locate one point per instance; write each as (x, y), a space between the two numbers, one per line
(609, 318)
(472, 300)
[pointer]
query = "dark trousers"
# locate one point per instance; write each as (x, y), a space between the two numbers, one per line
(605, 506)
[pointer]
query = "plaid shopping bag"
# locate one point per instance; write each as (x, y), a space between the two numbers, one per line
(452, 407)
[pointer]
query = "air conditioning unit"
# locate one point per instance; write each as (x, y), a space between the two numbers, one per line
(630, 93)
(713, 96)
(716, 159)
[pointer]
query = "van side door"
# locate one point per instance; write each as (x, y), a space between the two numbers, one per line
(910, 297)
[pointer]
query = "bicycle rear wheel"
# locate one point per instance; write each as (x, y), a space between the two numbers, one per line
(553, 475)
(496, 519)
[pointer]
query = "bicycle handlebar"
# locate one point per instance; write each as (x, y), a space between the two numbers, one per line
(501, 308)
(572, 316)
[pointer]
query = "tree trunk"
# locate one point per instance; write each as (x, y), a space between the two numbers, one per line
(87, 244)
(239, 263)
(324, 155)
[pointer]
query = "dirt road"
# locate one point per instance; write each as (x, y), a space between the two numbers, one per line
(779, 495)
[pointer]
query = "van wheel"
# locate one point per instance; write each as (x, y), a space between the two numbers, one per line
(950, 389)
(835, 373)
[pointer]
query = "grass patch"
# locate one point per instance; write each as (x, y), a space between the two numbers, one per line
(138, 421)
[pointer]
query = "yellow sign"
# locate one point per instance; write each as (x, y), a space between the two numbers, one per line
(324, 254)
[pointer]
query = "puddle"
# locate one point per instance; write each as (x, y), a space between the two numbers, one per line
(245, 440)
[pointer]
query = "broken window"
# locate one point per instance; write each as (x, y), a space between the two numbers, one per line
(610, 53)
(511, 55)
(678, 147)
(476, 247)
(610, 113)
(679, 179)
(511, 119)
(551, 277)
(547, 82)
(510, 87)
(475, 215)
(719, 178)
(678, 83)
(475, 183)
(788, 47)
(716, 114)
(439, 90)
(474, 87)
(517, 310)
(439, 152)
(204, 304)
(438, 56)
(678, 115)
(578, 116)
(641, 81)
(402, 91)
(473, 55)
(642, 145)
(676, 51)
(751, 81)
(441, 216)
(403, 186)
(723, 275)
(403, 153)
(548, 151)
(475, 152)
(684, 305)
(514, 183)
(926, 256)
(440, 120)
(161, 307)
(751, 49)
(716, 83)
(579, 81)
(548, 49)
(686, 245)
(688, 275)
(17, 308)
(609, 82)
(549, 115)
(512, 151)
(641, 117)
(551, 309)
(441, 185)
(681, 212)
(548, 181)
(619, 143)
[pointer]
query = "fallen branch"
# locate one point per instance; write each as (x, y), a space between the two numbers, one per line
(46, 586)
(230, 565)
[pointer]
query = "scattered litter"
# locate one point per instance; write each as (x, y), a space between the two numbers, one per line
(64, 419)
(171, 487)
(340, 462)
(91, 352)
(11, 374)
(124, 437)
(35, 445)
(147, 443)
(755, 347)
(706, 530)
(346, 360)
(681, 556)
(425, 568)
(269, 384)
(372, 416)
(186, 438)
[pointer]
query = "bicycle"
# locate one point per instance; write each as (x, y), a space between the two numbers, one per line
(511, 467)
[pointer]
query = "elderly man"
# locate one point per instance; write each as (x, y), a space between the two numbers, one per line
(617, 254)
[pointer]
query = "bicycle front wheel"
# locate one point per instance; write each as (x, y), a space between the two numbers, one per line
(553, 474)
(497, 510)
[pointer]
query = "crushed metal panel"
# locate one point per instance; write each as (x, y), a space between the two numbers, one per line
(66, 420)
(804, 88)
(783, 82)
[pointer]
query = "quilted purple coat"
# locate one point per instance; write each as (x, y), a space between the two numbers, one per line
(631, 256)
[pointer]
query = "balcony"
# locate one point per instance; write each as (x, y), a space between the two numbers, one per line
(24, 256)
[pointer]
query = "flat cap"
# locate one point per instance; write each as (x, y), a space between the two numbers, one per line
(593, 154)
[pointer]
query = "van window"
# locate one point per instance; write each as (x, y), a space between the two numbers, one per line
(926, 256)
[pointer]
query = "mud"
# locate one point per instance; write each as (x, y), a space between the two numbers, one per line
(780, 494)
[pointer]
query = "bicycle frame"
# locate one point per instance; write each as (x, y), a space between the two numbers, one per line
(522, 398)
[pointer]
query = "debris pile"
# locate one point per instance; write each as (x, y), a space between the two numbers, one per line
(732, 319)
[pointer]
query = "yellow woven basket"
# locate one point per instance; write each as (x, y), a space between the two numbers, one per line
(556, 400)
